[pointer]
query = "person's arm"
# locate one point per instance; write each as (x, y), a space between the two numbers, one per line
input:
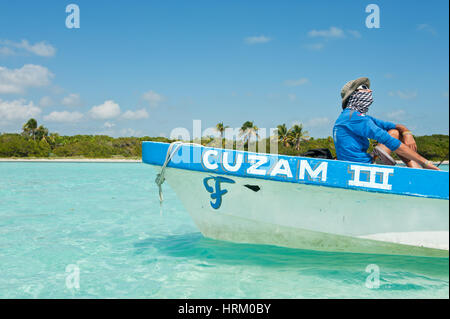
(367, 127)
(407, 135)
(408, 138)
(408, 153)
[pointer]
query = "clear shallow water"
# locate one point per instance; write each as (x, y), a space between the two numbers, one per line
(105, 219)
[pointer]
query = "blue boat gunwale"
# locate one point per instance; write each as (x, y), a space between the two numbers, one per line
(442, 174)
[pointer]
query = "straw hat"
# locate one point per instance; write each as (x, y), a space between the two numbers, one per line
(351, 87)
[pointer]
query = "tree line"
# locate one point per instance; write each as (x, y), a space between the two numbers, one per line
(36, 141)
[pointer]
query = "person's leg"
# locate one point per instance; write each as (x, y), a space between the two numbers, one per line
(396, 134)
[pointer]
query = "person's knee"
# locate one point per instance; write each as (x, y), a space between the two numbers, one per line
(394, 133)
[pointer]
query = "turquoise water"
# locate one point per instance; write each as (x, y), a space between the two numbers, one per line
(104, 220)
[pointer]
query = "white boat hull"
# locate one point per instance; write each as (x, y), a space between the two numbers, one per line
(314, 217)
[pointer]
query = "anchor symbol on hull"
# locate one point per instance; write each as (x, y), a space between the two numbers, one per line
(216, 191)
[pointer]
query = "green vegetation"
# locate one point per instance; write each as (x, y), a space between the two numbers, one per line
(434, 147)
(36, 141)
(88, 146)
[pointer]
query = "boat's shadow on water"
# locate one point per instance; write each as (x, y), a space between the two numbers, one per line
(209, 252)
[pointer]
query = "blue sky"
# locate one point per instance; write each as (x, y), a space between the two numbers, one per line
(144, 68)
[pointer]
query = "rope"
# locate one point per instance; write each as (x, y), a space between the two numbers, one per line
(442, 160)
(171, 151)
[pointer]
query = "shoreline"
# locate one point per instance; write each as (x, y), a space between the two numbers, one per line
(434, 163)
(105, 160)
(72, 160)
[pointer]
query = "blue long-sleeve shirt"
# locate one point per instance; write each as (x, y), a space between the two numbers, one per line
(351, 134)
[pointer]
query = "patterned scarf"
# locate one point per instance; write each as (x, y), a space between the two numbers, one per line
(360, 101)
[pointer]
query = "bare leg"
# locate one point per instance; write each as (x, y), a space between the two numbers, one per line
(396, 134)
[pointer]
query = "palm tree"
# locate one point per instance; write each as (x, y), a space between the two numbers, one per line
(221, 129)
(53, 138)
(283, 134)
(297, 135)
(30, 127)
(41, 133)
(248, 130)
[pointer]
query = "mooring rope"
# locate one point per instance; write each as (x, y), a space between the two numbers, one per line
(442, 160)
(171, 151)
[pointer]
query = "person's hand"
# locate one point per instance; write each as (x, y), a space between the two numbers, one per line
(409, 141)
(429, 165)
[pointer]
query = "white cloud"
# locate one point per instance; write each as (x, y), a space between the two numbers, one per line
(354, 33)
(72, 99)
(109, 125)
(298, 82)
(63, 117)
(135, 115)
(427, 28)
(317, 122)
(396, 115)
(404, 95)
(297, 123)
(46, 101)
(108, 110)
(153, 98)
(18, 80)
(257, 39)
(18, 110)
(130, 132)
(6, 51)
(333, 32)
(42, 48)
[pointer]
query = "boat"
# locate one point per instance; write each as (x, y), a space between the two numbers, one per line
(306, 203)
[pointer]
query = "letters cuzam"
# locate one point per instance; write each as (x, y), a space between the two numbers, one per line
(294, 169)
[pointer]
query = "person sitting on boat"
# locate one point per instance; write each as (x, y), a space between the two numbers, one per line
(354, 128)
